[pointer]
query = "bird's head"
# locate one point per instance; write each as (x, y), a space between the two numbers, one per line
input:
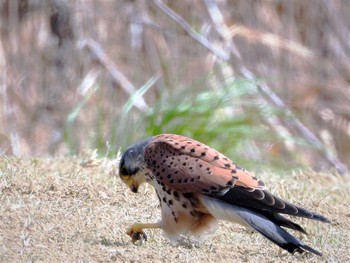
(131, 163)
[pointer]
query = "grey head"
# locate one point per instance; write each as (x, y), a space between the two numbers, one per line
(132, 158)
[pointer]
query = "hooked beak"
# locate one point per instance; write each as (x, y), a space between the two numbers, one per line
(133, 185)
(134, 189)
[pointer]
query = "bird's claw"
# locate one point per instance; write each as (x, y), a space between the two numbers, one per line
(138, 237)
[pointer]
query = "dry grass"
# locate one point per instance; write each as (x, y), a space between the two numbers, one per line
(76, 85)
(71, 210)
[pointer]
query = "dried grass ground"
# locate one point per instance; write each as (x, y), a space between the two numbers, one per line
(73, 211)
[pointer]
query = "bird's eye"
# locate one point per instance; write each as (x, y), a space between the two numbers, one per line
(124, 171)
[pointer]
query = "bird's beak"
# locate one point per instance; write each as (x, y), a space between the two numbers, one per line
(133, 185)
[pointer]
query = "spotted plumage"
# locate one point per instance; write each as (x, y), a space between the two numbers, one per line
(197, 185)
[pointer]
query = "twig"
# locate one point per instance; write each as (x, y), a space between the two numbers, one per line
(291, 122)
(236, 62)
(117, 76)
(305, 132)
(188, 29)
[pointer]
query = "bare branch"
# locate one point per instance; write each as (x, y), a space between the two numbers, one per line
(188, 29)
(117, 76)
(293, 121)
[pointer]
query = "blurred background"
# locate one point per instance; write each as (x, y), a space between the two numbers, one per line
(265, 82)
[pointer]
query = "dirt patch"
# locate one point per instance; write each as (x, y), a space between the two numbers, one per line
(69, 210)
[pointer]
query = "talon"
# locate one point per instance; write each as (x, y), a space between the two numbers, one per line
(138, 237)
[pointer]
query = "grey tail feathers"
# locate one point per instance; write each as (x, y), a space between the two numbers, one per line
(268, 227)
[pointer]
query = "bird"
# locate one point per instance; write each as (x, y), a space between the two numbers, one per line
(197, 186)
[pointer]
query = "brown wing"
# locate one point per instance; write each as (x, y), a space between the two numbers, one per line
(191, 166)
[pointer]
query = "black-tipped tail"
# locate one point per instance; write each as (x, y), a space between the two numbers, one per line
(259, 222)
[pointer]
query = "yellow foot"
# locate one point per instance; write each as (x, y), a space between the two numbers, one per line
(138, 237)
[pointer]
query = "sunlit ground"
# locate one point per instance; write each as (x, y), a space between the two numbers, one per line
(76, 209)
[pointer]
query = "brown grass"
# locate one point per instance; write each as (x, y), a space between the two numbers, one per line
(52, 89)
(71, 209)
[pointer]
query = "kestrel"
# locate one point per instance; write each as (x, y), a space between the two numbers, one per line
(196, 186)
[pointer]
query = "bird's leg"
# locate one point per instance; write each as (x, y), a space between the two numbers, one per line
(136, 232)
